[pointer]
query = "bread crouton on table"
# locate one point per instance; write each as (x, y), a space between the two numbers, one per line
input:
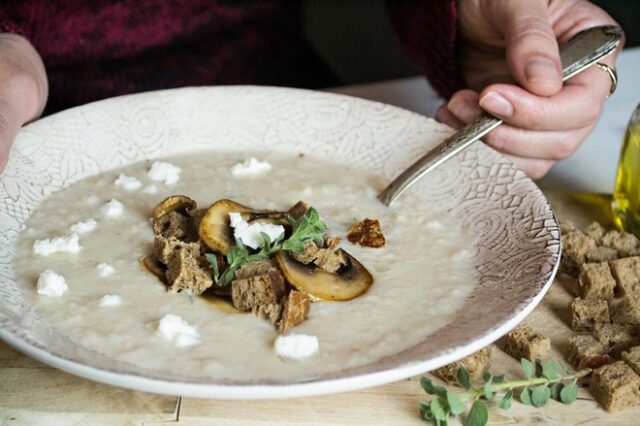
(575, 244)
(586, 313)
(524, 342)
(632, 358)
(476, 364)
(587, 352)
(626, 311)
(616, 337)
(616, 386)
(626, 273)
(595, 281)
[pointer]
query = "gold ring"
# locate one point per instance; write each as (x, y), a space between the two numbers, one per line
(612, 75)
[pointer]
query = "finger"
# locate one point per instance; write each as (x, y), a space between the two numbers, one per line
(533, 167)
(544, 145)
(464, 105)
(445, 116)
(531, 47)
(8, 131)
(577, 105)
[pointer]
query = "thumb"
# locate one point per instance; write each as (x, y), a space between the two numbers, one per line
(8, 131)
(531, 46)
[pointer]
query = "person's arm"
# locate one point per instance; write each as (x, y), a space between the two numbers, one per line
(499, 42)
(23, 89)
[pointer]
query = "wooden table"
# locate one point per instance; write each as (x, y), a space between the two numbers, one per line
(35, 394)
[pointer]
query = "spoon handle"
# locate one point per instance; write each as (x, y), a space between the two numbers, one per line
(578, 54)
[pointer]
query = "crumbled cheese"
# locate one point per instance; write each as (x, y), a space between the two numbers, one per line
(150, 189)
(164, 172)
(84, 227)
(51, 284)
(112, 209)
(250, 167)
(296, 346)
(68, 244)
(128, 183)
(250, 234)
(174, 328)
(104, 269)
(109, 300)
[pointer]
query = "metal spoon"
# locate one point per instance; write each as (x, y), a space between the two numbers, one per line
(578, 54)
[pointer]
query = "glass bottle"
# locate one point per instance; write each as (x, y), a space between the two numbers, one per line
(626, 193)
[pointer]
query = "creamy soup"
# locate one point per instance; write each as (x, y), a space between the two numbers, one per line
(422, 276)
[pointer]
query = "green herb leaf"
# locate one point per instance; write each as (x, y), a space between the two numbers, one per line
(487, 377)
(433, 389)
(525, 396)
(425, 411)
(555, 391)
(478, 416)
(455, 402)
(569, 392)
(540, 396)
(527, 367)
(538, 366)
(505, 401)
(308, 227)
(213, 260)
(463, 377)
(550, 369)
(499, 379)
(487, 391)
(439, 408)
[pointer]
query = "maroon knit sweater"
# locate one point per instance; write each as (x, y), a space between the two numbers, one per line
(98, 49)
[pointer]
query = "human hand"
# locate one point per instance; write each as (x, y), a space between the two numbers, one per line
(506, 42)
(23, 89)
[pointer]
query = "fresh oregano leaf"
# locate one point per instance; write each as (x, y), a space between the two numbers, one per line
(538, 368)
(478, 415)
(439, 408)
(213, 261)
(550, 369)
(505, 401)
(527, 367)
(487, 377)
(525, 396)
(463, 377)
(427, 385)
(555, 391)
(456, 405)
(569, 393)
(540, 396)
(487, 391)
(425, 411)
(500, 379)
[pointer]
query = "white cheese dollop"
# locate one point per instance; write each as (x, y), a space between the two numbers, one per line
(296, 346)
(250, 167)
(104, 269)
(128, 183)
(164, 172)
(51, 284)
(150, 189)
(249, 234)
(67, 244)
(84, 227)
(174, 328)
(109, 300)
(112, 209)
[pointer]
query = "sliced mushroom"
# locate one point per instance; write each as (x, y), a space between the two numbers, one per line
(215, 229)
(154, 267)
(349, 282)
(175, 203)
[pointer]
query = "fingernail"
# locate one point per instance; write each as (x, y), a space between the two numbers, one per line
(540, 69)
(494, 103)
(462, 109)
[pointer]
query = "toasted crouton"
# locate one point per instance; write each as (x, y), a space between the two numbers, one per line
(524, 342)
(632, 358)
(626, 272)
(256, 284)
(476, 364)
(576, 244)
(367, 233)
(586, 313)
(586, 352)
(595, 281)
(616, 386)
(187, 272)
(296, 308)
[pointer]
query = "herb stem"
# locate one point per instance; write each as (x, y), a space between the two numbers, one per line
(539, 381)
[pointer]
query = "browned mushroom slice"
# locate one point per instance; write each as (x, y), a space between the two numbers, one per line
(175, 203)
(216, 231)
(154, 267)
(349, 282)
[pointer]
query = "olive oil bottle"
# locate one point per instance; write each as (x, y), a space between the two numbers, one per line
(626, 194)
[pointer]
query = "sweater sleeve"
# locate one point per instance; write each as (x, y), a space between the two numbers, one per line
(428, 32)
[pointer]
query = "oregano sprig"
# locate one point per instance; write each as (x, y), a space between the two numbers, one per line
(544, 381)
(308, 227)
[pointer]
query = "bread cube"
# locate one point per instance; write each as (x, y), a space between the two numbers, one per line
(586, 352)
(477, 364)
(524, 342)
(601, 254)
(626, 272)
(616, 386)
(616, 337)
(596, 232)
(625, 243)
(632, 358)
(586, 313)
(626, 311)
(575, 246)
(595, 281)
